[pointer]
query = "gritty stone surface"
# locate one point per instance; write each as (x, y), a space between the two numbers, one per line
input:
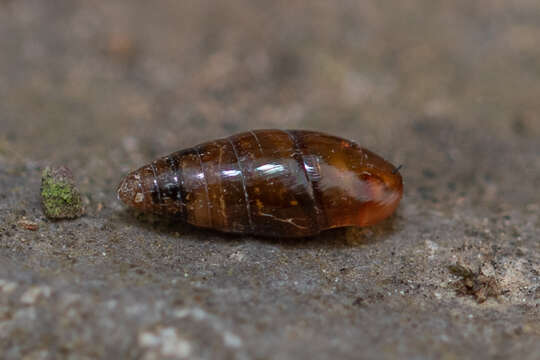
(448, 89)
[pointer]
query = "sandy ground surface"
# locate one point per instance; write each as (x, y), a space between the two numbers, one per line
(450, 89)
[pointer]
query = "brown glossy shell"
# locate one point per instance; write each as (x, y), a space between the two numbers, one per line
(268, 182)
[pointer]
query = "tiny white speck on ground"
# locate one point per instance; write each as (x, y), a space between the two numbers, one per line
(7, 287)
(31, 295)
(237, 256)
(229, 338)
(166, 341)
(432, 248)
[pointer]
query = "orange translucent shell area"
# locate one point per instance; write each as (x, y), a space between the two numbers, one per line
(357, 187)
(358, 198)
(383, 201)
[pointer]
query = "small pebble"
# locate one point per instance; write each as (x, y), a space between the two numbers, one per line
(27, 224)
(59, 195)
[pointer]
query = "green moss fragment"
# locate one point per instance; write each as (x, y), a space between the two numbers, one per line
(59, 196)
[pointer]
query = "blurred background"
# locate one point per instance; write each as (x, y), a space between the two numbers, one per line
(123, 82)
(450, 89)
